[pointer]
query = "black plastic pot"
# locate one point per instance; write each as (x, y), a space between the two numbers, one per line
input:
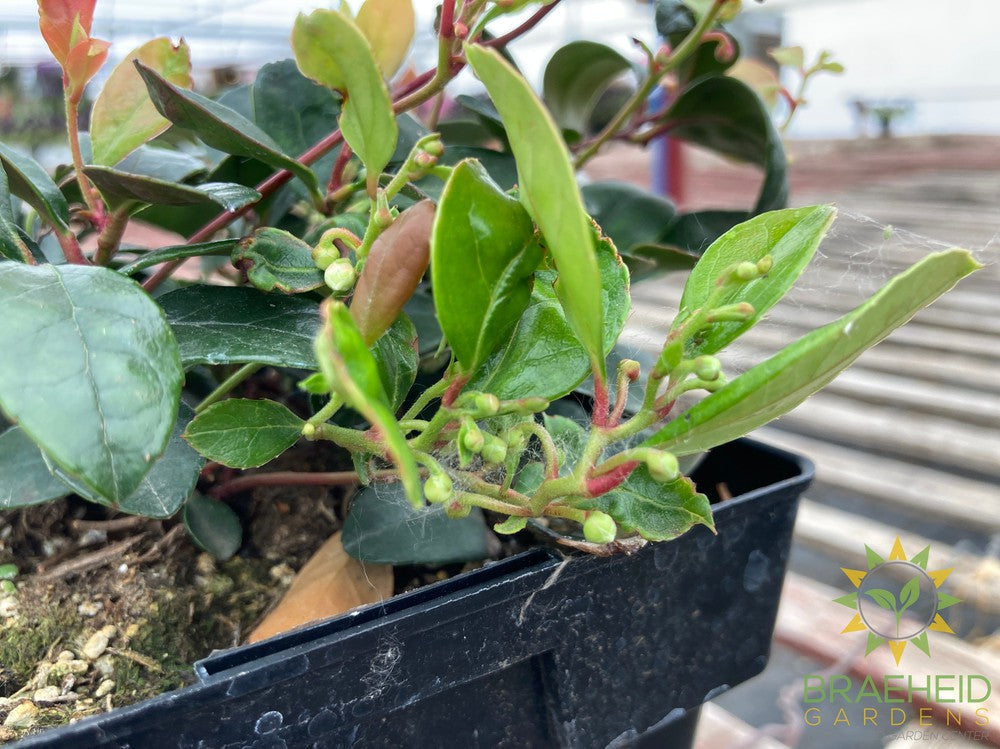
(534, 651)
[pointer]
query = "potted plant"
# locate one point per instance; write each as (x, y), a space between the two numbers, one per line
(445, 301)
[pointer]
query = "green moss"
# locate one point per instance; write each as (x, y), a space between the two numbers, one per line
(24, 644)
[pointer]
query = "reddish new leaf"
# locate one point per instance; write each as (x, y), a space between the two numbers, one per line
(56, 18)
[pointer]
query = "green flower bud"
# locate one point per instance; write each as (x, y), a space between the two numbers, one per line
(340, 276)
(424, 160)
(707, 368)
(630, 368)
(764, 264)
(599, 528)
(487, 404)
(472, 437)
(746, 271)
(434, 147)
(324, 254)
(495, 450)
(663, 467)
(438, 488)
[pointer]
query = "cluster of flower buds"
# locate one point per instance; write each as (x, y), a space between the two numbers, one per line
(339, 272)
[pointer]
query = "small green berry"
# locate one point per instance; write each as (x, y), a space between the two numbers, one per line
(472, 437)
(433, 147)
(707, 368)
(340, 276)
(746, 271)
(764, 264)
(487, 404)
(599, 528)
(438, 488)
(324, 254)
(495, 450)
(663, 467)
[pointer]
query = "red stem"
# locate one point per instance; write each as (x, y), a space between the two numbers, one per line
(529, 24)
(447, 30)
(601, 405)
(294, 478)
(453, 391)
(337, 173)
(598, 485)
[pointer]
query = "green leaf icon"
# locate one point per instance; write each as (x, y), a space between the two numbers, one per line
(909, 594)
(883, 598)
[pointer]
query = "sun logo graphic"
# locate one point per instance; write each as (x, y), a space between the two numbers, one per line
(898, 600)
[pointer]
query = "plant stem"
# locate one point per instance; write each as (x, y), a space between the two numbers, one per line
(90, 196)
(494, 505)
(530, 23)
(677, 56)
(327, 412)
(71, 248)
(548, 447)
(111, 235)
(295, 478)
(227, 385)
(434, 391)
(349, 439)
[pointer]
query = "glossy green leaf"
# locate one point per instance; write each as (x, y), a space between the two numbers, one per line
(124, 117)
(90, 371)
(12, 246)
(169, 482)
(24, 476)
(350, 368)
(243, 433)
(330, 49)
(627, 214)
(164, 164)
(658, 512)
(178, 252)
(388, 25)
(395, 354)
(483, 257)
(32, 184)
(233, 325)
(549, 191)
(383, 528)
(221, 127)
(119, 188)
(274, 259)
(790, 237)
(500, 165)
(575, 77)
(543, 356)
(724, 115)
(780, 383)
(487, 117)
(294, 110)
(213, 526)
